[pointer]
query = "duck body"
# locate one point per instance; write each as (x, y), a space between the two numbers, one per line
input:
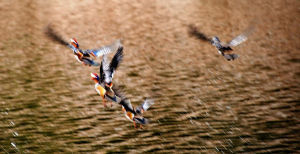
(135, 115)
(224, 50)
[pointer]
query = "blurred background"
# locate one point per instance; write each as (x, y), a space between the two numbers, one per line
(204, 104)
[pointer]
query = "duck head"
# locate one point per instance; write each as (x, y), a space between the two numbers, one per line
(95, 77)
(74, 43)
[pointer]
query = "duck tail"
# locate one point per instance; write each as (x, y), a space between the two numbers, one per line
(141, 120)
(230, 57)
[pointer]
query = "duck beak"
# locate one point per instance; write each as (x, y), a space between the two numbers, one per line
(94, 77)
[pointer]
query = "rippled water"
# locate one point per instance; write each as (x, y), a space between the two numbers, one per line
(203, 103)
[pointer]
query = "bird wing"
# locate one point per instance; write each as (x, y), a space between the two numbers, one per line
(144, 106)
(102, 74)
(115, 62)
(105, 49)
(118, 90)
(105, 68)
(127, 105)
(109, 69)
(90, 62)
(242, 37)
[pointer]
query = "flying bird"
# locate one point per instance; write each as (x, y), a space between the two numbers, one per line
(225, 49)
(103, 81)
(135, 115)
(83, 56)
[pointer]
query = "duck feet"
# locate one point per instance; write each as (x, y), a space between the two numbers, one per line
(104, 104)
(135, 126)
(141, 126)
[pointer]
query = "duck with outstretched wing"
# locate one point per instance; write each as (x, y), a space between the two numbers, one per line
(225, 49)
(135, 115)
(83, 56)
(103, 81)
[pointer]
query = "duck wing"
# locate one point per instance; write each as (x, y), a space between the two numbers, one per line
(118, 57)
(105, 68)
(127, 105)
(109, 69)
(101, 73)
(105, 49)
(242, 37)
(144, 106)
(90, 62)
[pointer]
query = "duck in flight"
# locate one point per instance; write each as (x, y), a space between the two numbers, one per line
(83, 56)
(135, 115)
(225, 49)
(103, 81)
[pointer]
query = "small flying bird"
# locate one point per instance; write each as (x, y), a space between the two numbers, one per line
(103, 83)
(83, 56)
(223, 48)
(135, 115)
